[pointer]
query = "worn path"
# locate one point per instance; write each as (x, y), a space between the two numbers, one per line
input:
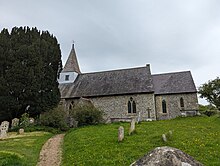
(51, 151)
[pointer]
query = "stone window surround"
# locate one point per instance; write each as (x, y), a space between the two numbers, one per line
(131, 107)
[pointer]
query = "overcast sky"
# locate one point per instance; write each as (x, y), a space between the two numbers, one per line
(171, 35)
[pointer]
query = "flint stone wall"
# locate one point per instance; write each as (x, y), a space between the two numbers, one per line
(116, 107)
(173, 105)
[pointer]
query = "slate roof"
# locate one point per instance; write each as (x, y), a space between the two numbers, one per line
(115, 82)
(72, 63)
(173, 83)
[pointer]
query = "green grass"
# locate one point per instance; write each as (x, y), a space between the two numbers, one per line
(22, 150)
(98, 145)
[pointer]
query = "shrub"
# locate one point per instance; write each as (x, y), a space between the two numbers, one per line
(208, 110)
(24, 120)
(86, 115)
(55, 118)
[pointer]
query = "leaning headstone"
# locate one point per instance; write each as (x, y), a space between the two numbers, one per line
(164, 138)
(21, 131)
(14, 123)
(4, 129)
(31, 120)
(132, 126)
(166, 156)
(120, 134)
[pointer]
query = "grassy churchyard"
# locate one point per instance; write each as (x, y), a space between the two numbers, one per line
(22, 149)
(98, 145)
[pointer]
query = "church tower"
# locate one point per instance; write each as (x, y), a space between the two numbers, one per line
(71, 68)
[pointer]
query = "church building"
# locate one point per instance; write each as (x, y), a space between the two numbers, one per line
(129, 93)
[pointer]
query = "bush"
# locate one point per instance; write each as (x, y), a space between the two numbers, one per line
(55, 118)
(208, 110)
(86, 115)
(24, 120)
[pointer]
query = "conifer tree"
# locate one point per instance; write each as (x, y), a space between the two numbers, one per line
(30, 62)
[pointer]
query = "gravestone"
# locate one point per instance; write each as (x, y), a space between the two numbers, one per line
(139, 118)
(132, 126)
(164, 138)
(31, 120)
(120, 134)
(4, 129)
(14, 123)
(21, 131)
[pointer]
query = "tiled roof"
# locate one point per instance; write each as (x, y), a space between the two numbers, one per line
(115, 82)
(171, 83)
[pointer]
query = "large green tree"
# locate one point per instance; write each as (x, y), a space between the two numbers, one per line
(30, 62)
(211, 92)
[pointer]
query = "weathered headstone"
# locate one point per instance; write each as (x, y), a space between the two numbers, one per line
(21, 131)
(14, 123)
(120, 134)
(31, 120)
(132, 126)
(4, 129)
(166, 156)
(164, 138)
(139, 118)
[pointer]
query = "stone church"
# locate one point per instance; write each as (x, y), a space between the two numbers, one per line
(129, 93)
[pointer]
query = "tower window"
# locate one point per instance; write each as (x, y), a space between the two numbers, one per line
(164, 106)
(67, 77)
(131, 106)
(181, 102)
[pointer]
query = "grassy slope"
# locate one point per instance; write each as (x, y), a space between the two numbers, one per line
(22, 150)
(97, 145)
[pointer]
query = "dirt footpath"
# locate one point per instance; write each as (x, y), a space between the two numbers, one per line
(51, 152)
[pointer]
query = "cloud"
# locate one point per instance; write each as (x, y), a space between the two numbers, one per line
(170, 35)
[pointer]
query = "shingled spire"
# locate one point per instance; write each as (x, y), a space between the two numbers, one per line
(72, 63)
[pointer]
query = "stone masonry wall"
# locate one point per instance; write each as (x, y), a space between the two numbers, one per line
(173, 104)
(117, 106)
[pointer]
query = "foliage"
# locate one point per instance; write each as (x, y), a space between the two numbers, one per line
(11, 159)
(56, 118)
(30, 62)
(211, 91)
(98, 145)
(24, 120)
(208, 110)
(22, 150)
(86, 115)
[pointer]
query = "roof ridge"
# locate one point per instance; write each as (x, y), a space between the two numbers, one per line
(107, 71)
(171, 73)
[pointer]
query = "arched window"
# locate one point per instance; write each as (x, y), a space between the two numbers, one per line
(164, 106)
(134, 106)
(71, 105)
(181, 102)
(131, 106)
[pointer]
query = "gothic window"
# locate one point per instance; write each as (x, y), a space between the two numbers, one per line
(164, 106)
(181, 102)
(71, 105)
(67, 77)
(134, 106)
(131, 106)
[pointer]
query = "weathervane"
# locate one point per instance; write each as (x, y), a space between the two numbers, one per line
(73, 42)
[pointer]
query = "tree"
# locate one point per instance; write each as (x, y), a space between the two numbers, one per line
(30, 62)
(211, 91)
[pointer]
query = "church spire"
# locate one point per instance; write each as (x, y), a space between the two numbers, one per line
(72, 63)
